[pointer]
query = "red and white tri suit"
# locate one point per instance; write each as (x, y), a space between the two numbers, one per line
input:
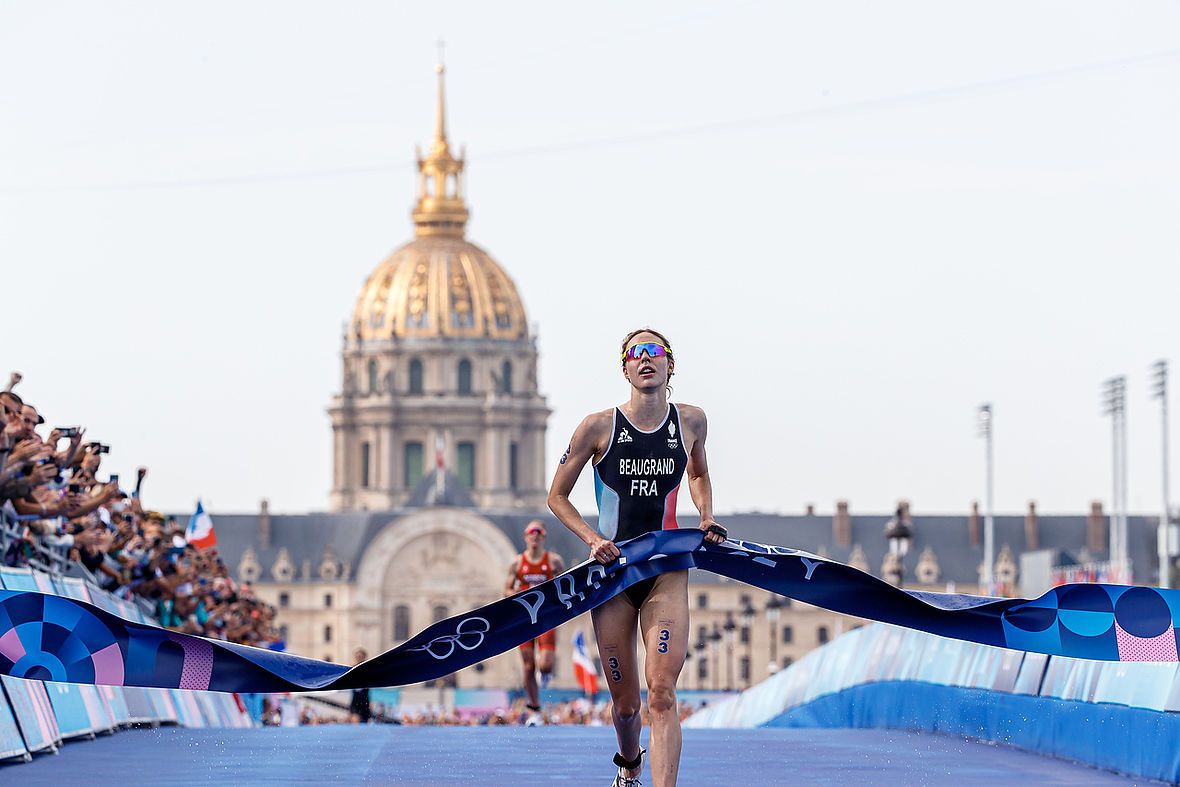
(529, 575)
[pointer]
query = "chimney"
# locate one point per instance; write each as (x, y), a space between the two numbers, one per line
(264, 525)
(973, 528)
(842, 525)
(810, 509)
(1096, 529)
(1030, 526)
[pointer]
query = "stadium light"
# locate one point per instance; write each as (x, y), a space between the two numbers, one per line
(989, 524)
(1114, 404)
(1159, 390)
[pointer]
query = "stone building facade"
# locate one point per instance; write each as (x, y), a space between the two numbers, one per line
(438, 365)
(439, 432)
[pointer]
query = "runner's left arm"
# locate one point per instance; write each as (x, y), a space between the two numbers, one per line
(699, 485)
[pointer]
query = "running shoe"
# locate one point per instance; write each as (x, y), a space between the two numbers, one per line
(622, 780)
(534, 719)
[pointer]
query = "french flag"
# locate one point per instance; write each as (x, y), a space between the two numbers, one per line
(584, 670)
(200, 532)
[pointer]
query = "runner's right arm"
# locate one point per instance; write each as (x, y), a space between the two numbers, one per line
(593, 432)
(510, 585)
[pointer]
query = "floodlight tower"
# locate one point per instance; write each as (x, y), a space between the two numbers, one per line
(1159, 390)
(1114, 404)
(989, 524)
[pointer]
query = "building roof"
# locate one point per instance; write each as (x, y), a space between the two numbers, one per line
(307, 537)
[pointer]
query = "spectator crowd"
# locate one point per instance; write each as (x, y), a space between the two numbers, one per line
(53, 503)
(578, 711)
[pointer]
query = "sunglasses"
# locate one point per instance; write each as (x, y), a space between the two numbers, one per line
(532, 530)
(636, 351)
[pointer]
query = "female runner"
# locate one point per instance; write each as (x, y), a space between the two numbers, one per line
(640, 451)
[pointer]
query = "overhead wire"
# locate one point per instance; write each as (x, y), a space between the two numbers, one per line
(919, 97)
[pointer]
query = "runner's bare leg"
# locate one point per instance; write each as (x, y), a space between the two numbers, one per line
(614, 628)
(530, 675)
(664, 623)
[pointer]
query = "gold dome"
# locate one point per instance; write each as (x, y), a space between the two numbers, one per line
(439, 284)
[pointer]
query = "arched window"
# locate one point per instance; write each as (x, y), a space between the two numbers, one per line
(513, 477)
(401, 623)
(440, 613)
(506, 378)
(464, 376)
(413, 464)
(821, 634)
(415, 376)
(365, 465)
(372, 377)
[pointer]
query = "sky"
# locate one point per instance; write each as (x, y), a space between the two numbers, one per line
(856, 222)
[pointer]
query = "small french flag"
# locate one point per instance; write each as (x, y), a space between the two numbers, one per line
(584, 670)
(200, 532)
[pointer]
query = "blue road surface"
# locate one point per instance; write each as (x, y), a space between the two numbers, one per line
(344, 754)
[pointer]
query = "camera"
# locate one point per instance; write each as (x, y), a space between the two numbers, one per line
(68, 431)
(114, 478)
(75, 488)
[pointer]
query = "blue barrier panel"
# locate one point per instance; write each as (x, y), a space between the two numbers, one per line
(76, 589)
(219, 709)
(101, 718)
(34, 714)
(140, 709)
(1032, 674)
(69, 708)
(17, 579)
(163, 705)
(187, 710)
(116, 703)
(11, 742)
(44, 583)
(1129, 740)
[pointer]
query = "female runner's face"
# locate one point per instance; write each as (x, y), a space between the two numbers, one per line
(647, 373)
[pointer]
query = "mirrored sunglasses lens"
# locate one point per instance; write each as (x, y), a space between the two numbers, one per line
(637, 351)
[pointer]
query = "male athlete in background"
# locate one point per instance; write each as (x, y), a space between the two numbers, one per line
(529, 569)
